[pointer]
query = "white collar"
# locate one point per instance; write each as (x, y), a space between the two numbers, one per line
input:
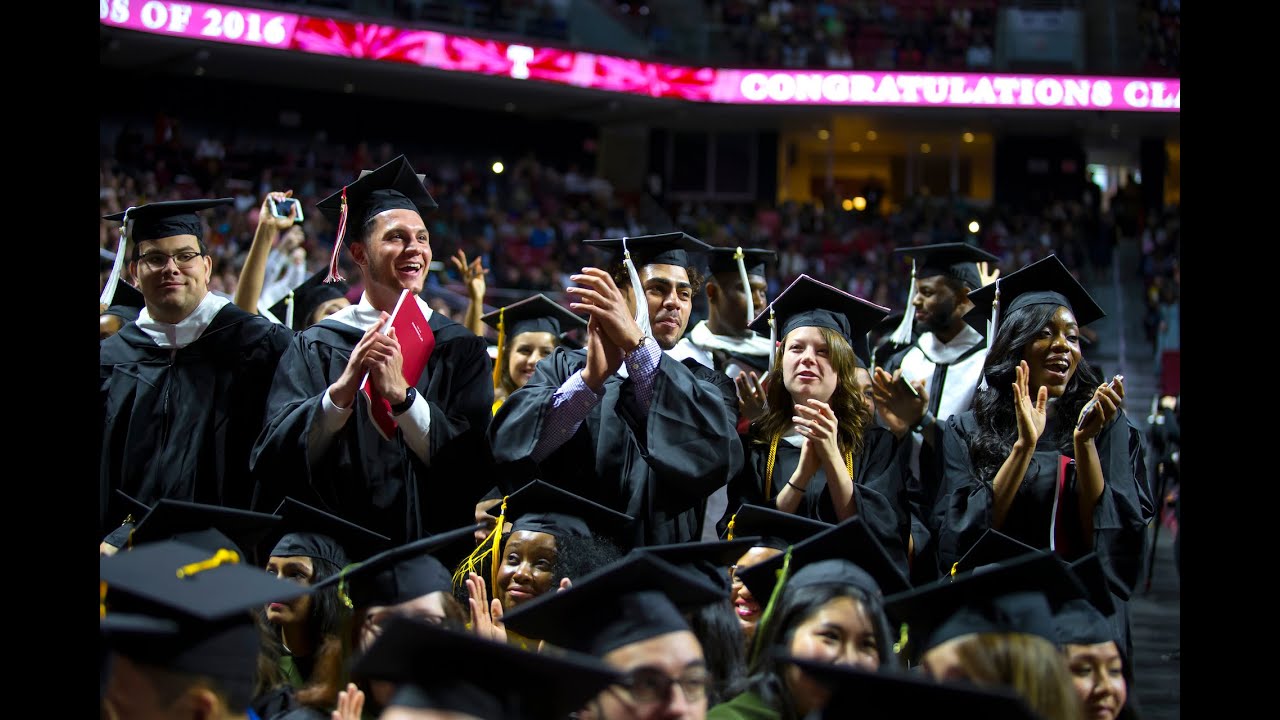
(184, 332)
(753, 344)
(362, 315)
(940, 352)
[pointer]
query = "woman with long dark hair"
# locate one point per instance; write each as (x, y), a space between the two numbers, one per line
(816, 451)
(823, 606)
(1046, 455)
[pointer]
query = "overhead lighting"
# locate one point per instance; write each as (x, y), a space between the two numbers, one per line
(871, 135)
(847, 204)
(974, 227)
(824, 135)
(967, 137)
(498, 168)
(859, 203)
(855, 146)
(924, 148)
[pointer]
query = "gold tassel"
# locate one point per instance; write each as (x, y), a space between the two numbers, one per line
(102, 599)
(901, 645)
(732, 519)
(491, 544)
(954, 566)
(342, 585)
(222, 556)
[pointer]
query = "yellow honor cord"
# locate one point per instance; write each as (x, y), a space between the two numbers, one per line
(497, 365)
(222, 556)
(773, 453)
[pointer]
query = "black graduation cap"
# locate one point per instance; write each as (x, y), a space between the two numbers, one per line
(534, 314)
(181, 608)
(126, 302)
(545, 508)
(1044, 282)
(209, 527)
(312, 532)
(393, 186)
(957, 260)
(311, 294)
(634, 599)
(671, 248)
(712, 559)
(137, 510)
(868, 695)
(725, 260)
(402, 573)
(439, 669)
(775, 529)
(992, 548)
(846, 553)
(1015, 596)
(158, 220)
(1084, 621)
(810, 303)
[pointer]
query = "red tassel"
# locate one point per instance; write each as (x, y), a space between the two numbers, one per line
(334, 275)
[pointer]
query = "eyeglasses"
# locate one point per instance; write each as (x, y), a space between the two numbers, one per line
(651, 686)
(159, 260)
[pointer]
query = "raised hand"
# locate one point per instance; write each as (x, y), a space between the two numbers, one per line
(350, 704)
(486, 615)
(385, 364)
(603, 356)
(1106, 405)
(751, 397)
(898, 407)
(343, 392)
(605, 303)
(1031, 415)
(987, 277)
(266, 218)
(472, 274)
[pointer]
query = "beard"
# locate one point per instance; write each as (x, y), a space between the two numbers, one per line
(939, 318)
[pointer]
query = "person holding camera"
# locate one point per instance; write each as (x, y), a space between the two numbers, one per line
(279, 218)
(183, 387)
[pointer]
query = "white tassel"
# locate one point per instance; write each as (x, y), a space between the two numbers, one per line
(642, 303)
(109, 292)
(902, 336)
(288, 315)
(746, 284)
(991, 329)
(773, 338)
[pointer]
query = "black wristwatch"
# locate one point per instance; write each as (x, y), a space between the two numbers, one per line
(409, 396)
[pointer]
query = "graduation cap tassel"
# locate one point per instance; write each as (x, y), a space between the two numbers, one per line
(902, 335)
(783, 573)
(223, 555)
(343, 585)
(732, 519)
(740, 258)
(109, 292)
(497, 544)
(502, 335)
(773, 337)
(903, 637)
(288, 313)
(642, 307)
(334, 274)
(491, 543)
(991, 330)
(102, 599)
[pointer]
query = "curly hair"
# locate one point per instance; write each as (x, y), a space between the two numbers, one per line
(848, 404)
(993, 408)
(1027, 664)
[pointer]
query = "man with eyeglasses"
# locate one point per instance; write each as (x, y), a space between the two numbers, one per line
(183, 387)
(630, 615)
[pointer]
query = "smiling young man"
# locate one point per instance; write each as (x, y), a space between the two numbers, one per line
(620, 422)
(182, 387)
(944, 364)
(320, 442)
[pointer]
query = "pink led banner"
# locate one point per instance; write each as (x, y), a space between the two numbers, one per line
(428, 48)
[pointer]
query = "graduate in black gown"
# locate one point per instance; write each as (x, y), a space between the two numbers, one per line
(320, 444)
(816, 452)
(621, 423)
(1027, 460)
(183, 387)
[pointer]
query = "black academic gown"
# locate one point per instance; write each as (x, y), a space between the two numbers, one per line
(380, 484)
(880, 474)
(963, 510)
(657, 467)
(180, 424)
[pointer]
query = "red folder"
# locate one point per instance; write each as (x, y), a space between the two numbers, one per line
(416, 343)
